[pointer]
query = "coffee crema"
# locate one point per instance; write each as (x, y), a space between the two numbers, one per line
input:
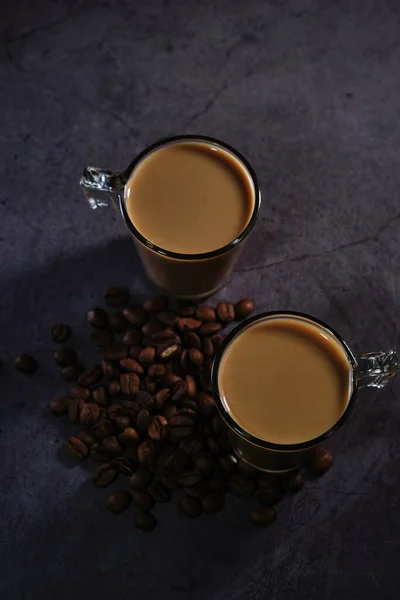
(190, 197)
(285, 380)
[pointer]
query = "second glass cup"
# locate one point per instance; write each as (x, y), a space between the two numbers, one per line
(189, 202)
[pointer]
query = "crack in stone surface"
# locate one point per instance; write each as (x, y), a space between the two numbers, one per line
(208, 106)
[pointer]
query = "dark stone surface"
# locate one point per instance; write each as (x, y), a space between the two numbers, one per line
(309, 91)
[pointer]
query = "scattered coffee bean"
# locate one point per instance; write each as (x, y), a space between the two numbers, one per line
(116, 296)
(143, 500)
(241, 485)
(143, 420)
(144, 520)
(188, 324)
(81, 392)
(208, 348)
(91, 375)
(130, 383)
(65, 357)
(176, 462)
(168, 350)
(168, 318)
(190, 506)
(117, 322)
(132, 338)
(321, 462)
(105, 475)
(119, 501)
(294, 481)
(111, 446)
(115, 351)
(97, 455)
(186, 309)
(270, 495)
(135, 315)
(90, 414)
(155, 304)
(225, 312)
(74, 407)
(140, 479)
(100, 396)
(206, 314)
(131, 365)
(213, 502)
(147, 453)
(122, 422)
(77, 449)
(114, 388)
(147, 356)
(98, 318)
(263, 516)
(158, 428)
(26, 363)
(86, 437)
(205, 403)
(209, 329)
(204, 462)
(244, 308)
(180, 425)
(159, 491)
(60, 333)
(151, 327)
(124, 465)
(190, 477)
(59, 406)
(129, 437)
(72, 372)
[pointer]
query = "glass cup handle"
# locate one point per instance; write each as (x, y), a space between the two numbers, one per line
(376, 369)
(102, 188)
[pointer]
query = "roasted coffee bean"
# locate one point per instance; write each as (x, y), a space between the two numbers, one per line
(205, 463)
(74, 407)
(118, 322)
(97, 317)
(114, 388)
(228, 462)
(213, 445)
(100, 396)
(135, 314)
(161, 397)
(131, 365)
(108, 368)
(103, 429)
(65, 357)
(86, 437)
(170, 483)
(159, 466)
(159, 491)
(97, 455)
(151, 327)
(102, 337)
(81, 392)
(192, 340)
(116, 296)
(190, 506)
(225, 312)
(181, 426)
(186, 309)
(119, 501)
(192, 445)
(72, 372)
(130, 383)
(293, 481)
(190, 477)
(134, 352)
(128, 408)
(144, 399)
(26, 363)
(147, 453)
(176, 462)
(144, 520)
(189, 403)
(143, 420)
(111, 446)
(147, 356)
(262, 516)
(89, 414)
(195, 359)
(91, 375)
(187, 412)
(168, 350)
(208, 329)
(166, 335)
(60, 333)
(213, 502)
(143, 500)
(77, 449)
(123, 465)
(59, 406)
(179, 390)
(156, 371)
(270, 495)
(206, 314)
(208, 348)
(155, 304)
(150, 385)
(113, 411)
(191, 386)
(115, 351)
(168, 318)
(198, 490)
(241, 485)
(122, 422)
(129, 437)
(244, 308)
(158, 428)
(104, 475)
(188, 324)
(205, 403)
(170, 380)
(217, 340)
(132, 338)
(131, 453)
(140, 479)
(321, 462)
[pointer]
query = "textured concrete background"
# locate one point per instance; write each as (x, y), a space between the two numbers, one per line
(310, 92)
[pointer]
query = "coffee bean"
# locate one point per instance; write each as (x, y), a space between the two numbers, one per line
(98, 318)
(118, 322)
(144, 520)
(244, 308)
(213, 502)
(65, 357)
(107, 368)
(147, 453)
(180, 426)
(206, 314)
(77, 449)
(205, 463)
(170, 483)
(147, 356)
(74, 407)
(91, 375)
(208, 329)
(81, 392)
(149, 385)
(161, 397)
(59, 406)
(190, 477)
(166, 335)
(132, 454)
(122, 422)
(168, 318)
(213, 445)
(159, 491)
(179, 390)
(132, 338)
(225, 312)
(190, 506)
(198, 490)
(270, 495)
(128, 408)
(143, 500)
(192, 445)
(143, 420)
(144, 399)
(321, 462)
(168, 350)
(111, 446)
(155, 304)
(123, 465)
(151, 327)
(102, 337)
(205, 403)
(72, 372)
(158, 428)
(293, 481)
(97, 455)
(115, 351)
(263, 516)
(86, 437)
(119, 501)
(241, 485)
(89, 414)
(208, 348)
(130, 383)
(116, 296)
(196, 358)
(217, 340)
(140, 479)
(135, 315)
(100, 396)
(131, 365)
(129, 437)
(105, 475)
(114, 388)
(188, 324)
(26, 363)
(103, 429)
(176, 462)
(186, 309)
(60, 333)
(156, 371)
(191, 386)
(134, 352)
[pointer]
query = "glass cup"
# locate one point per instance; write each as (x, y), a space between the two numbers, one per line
(189, 276)
(366, 370)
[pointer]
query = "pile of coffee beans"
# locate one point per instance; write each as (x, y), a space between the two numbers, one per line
(146, 415)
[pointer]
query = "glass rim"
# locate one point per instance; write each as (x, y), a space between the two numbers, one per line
(264, 443)
(204, 255)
